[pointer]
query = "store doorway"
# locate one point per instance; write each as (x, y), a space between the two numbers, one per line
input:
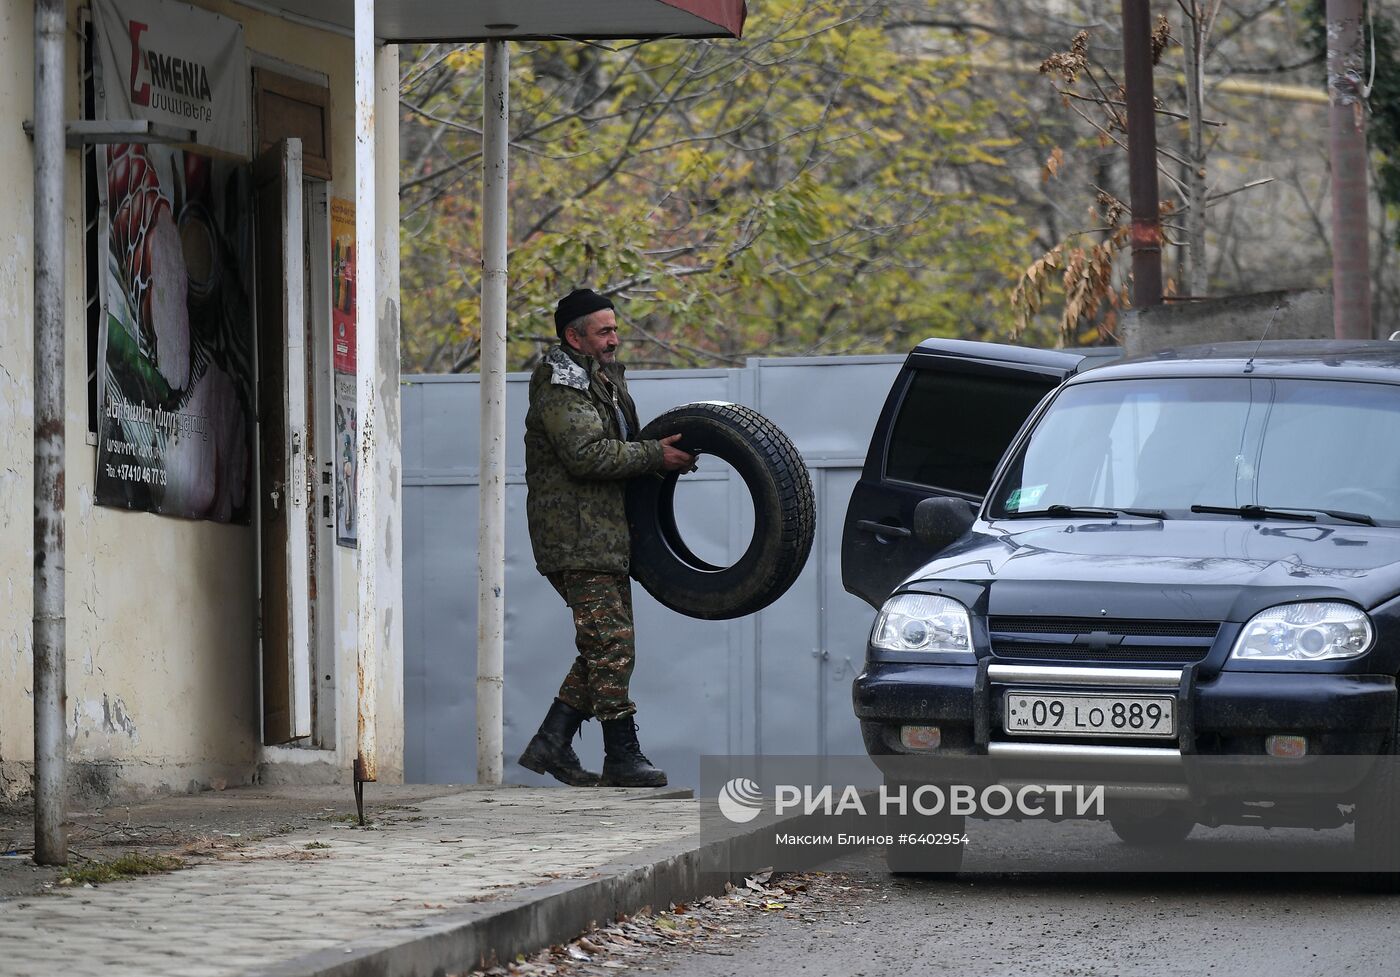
(296, 521)
(285, 480)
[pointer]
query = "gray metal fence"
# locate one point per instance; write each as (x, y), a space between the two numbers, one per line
(777, 682)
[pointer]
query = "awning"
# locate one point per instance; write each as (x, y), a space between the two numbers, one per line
(405, 21)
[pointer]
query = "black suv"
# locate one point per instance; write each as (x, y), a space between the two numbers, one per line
(1190, 555)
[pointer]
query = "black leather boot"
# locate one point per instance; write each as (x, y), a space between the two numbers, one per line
(624, 764)
(551, 750)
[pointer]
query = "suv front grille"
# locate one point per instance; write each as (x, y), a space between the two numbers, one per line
(1087, 625)
(1085, 639)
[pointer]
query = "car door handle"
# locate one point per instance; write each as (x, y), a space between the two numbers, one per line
(880, 529)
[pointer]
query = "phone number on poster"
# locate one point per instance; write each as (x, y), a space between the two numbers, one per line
(145, 474)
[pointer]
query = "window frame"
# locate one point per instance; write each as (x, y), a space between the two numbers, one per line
(967, 367)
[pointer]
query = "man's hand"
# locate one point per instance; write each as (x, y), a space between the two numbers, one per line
(674, 459)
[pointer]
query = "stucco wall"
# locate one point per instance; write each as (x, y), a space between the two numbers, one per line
(161, 612)
(16, 403)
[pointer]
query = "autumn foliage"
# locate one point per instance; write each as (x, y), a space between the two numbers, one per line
(804, 191)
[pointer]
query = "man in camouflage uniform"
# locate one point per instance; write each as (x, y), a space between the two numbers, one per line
(579, 453)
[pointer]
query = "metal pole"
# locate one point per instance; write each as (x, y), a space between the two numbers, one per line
(50, 661)
(491, 535)
(366, 405)
(1351, 279)
(1142, 153)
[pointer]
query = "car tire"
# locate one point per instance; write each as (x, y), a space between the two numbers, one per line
(924, 860)
(784, 515)
(1152, 831)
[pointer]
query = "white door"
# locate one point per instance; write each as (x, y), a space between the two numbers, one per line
(287, 498)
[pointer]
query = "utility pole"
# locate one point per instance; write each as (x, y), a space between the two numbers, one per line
(50, 643)
(1351, 278)
(365, 767)
(1142, 153)
(491, 516)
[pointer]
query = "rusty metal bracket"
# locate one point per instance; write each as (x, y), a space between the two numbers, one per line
(359, 775)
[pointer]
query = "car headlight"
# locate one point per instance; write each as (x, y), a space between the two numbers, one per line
(922, 622)
(1311, 631)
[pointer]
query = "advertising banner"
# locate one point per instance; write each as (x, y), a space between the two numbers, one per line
(346, 467)
(175, 359)
(343, 356)
(343, 283)
(174, 64)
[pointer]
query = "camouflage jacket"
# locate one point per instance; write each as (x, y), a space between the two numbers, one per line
(578, 458)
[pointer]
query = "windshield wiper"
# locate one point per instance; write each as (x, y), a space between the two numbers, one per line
(1085, 512)
(1254, 512)
(1300, 512)
(1360, 517)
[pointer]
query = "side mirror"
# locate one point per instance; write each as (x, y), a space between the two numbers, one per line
(941, 520)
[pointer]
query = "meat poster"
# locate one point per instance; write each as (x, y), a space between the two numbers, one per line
(176, 420)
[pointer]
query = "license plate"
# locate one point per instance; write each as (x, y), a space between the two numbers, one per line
(1089, 715)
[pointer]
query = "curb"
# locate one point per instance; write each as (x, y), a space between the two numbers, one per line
(542, 915)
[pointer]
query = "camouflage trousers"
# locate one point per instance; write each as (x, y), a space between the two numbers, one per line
(602, 607)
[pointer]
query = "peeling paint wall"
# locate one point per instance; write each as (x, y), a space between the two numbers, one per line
(163, 689)
(389, 726)
(16, 397)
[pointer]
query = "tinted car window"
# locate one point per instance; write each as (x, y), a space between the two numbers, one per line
(953, 428)
(1174, 442)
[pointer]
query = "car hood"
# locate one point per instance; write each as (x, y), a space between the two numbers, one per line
(1220, 569)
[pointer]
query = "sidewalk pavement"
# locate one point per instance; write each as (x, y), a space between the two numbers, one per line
(283, 881)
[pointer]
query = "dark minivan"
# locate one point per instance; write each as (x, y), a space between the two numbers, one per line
(1189, 555)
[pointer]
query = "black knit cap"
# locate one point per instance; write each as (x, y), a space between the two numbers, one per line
(578, 303)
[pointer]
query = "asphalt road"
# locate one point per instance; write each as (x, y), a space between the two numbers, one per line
(1080, 920)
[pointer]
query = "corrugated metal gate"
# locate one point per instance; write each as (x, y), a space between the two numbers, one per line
(775, 683)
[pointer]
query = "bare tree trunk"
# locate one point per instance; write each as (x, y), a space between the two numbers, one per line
(1351, 285)
(1194, 279)
(1142, 154)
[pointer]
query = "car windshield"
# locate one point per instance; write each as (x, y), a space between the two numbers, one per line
(1171, 443)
